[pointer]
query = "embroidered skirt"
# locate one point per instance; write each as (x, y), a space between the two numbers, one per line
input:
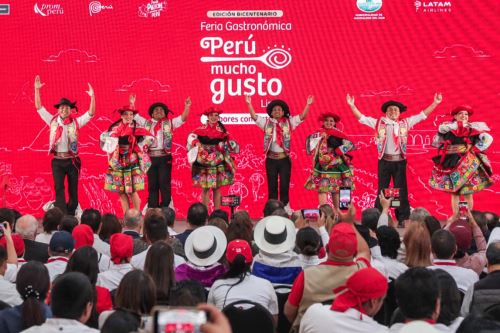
(330, 177)
(126, 172)
(212, 168)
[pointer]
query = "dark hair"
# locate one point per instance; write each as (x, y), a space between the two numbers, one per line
(197, 214)
(308, 241)
(417, 291)
(121, 321)
(389, 241)
(493, 253)
(92, 218)
(280, 212)
(491, 220)
(220, 214)
(33, 284)
(169, 214)
(241, 227)
(222, 127)
(443, 244)
(480, 219)
(271, 205)
(51, 219)
(70, 295)
(219, 223)
(450, 297)
(160, 266)
(68, 223)
(237, 269)
(369, 218)
(476, 323)
(136, 292)
(3, 254)
(84, 260)
(432, 224)
(155, 226)
(109, 225)
(7, 214)
(187, 293)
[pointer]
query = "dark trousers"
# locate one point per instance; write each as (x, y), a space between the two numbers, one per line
(70, 168)
(278, 168)
(160, 181)
(397, 171)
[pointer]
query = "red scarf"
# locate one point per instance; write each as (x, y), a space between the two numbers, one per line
(158, 125)
(279, 131)
(211, 131)
(333, 132)
(123, 129)
(66, 121)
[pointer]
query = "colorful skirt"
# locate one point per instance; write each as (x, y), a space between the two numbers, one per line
(471, 174)
(126, 172)
(212, 168)
(330, 179)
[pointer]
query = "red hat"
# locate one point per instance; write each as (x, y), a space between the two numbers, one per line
(463, 234)
(83, 235)
(324, 115)
(126, 108)
(236, 247)
(18, 244)
(121, 247)
(363, 285)
(212, 109)
(459, 108)
(343, 242)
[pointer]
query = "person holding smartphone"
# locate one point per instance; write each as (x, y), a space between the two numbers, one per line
(332, 167)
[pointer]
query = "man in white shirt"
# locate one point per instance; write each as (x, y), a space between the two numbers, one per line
(353, 308)
(121, 247)
(8, 292)
(63, 144)
(391, 139)
(92, 218)
(61, 246)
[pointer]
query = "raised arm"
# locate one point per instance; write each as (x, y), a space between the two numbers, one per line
(310, 100)
(248, 100)
(92, 100)
(38, 85)
(438, 98)
(185, 113)
(354, 109)
(131, 100)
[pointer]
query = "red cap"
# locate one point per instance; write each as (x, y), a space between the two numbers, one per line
(343, 243)
(121, 247)
(239, 246)
(18, 244)
(83, 235)
(212, 109)
(459, 108)
(463, 234)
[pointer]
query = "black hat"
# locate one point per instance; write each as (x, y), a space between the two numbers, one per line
(279, 102)
(65, 101)
(161, 105)
(401, 106)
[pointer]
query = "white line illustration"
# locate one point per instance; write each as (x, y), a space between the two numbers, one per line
(276, 58)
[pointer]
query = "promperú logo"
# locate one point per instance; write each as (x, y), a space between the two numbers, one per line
(369, 6)
(48, 9)
(152, 9)
(96, 7)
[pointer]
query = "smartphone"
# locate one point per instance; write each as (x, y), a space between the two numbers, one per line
(310, 214)
(394, 194)
(463, 207)
(344, 198)
(178, 320)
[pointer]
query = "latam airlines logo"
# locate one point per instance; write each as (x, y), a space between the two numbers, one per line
(48, 9)
(433, 6)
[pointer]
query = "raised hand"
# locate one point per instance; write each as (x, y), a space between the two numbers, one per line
(38, 82)
(350, 100)
(438, 98)
(131, 99)
(248, 99)
(90, 91)
(188, 101)
(310, 99)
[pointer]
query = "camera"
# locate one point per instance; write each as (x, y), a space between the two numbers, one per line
(178, 320)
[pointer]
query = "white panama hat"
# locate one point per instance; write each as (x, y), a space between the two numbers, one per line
(274, 234)
(205, 245)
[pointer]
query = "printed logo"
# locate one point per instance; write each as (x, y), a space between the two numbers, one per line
(4, 9)
(369, 6)
(96, 7)
(152, 9)
(48, 9)
(433, 6)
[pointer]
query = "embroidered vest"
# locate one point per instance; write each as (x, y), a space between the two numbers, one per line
(381, 137)
(72, 129)
(166, 127)
(286, 129)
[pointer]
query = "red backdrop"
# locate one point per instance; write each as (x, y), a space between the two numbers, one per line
(404, 50)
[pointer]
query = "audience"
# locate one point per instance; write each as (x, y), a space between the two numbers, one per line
(68, 223)
(92, 218)
(160, 266)
(26, 227)
(196, 217)
(109, 225)
(50, 222)
(61, 246)
(132, 223)
(308, 244)
(121, 247)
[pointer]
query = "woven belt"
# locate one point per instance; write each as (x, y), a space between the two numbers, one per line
(157, 153)
(276, 156)
(64, 155)
(456, 149)
(393, 158)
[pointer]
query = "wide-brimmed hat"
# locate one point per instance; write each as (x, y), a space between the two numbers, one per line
(126, 108)
(65, 101)
(458, 108)
(324, 115)
(275, 102)
(401, 106)
(274, 234)
(212, 109)
(205, 245)
(161, 105)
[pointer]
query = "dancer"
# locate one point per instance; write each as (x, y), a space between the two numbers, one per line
(331, 164)
(161, 128)
(391, 137)
(63, 144)
(277, 134)
(126, 145)
(461, 167)
(210, 146)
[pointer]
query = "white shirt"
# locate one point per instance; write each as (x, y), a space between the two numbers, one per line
(61, 325)
(11, 272)
(252, 288)
(104, 262)
(261, 122)
(43, 237)
(391, 268)
(308, 261)
(112, 277)
(172, 232)
(139, 259)
(391, 147)
(8, 292)
(62, 145)
(437, 327)
(464, 277)
(101, 246)
(320, 318)
(494, 236)
(56, 265)
(158, 144)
